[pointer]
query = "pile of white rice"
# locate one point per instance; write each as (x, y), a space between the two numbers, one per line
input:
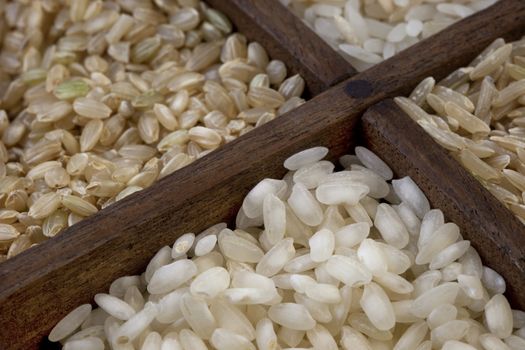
(367, 32)
(318, 260)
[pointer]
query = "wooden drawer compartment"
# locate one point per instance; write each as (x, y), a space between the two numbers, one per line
(40, 286)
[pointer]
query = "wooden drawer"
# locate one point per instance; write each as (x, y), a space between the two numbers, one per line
(41, 285)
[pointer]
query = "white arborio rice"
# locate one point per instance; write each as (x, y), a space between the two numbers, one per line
(298, 273)
(368, 31)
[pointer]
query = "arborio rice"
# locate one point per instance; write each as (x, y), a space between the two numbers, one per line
(478, 114)
(318, 260)
(98, 99)
(367, 32)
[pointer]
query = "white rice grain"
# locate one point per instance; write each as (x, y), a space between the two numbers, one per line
(70, 322)
(291, 315)
(305, 157)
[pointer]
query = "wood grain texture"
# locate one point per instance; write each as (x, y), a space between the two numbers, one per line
(492, 229)
(288, 39)
(41, 285)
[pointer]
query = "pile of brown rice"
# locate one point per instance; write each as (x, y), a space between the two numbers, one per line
(99, 99)
(478, 114)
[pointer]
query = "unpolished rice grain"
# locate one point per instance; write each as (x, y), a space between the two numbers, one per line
(337, 284)
(90, 108)
(44, 206)
(8, 232)
(78, 205)
(95, 83)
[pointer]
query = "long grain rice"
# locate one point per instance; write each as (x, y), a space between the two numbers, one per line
(475, 114)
